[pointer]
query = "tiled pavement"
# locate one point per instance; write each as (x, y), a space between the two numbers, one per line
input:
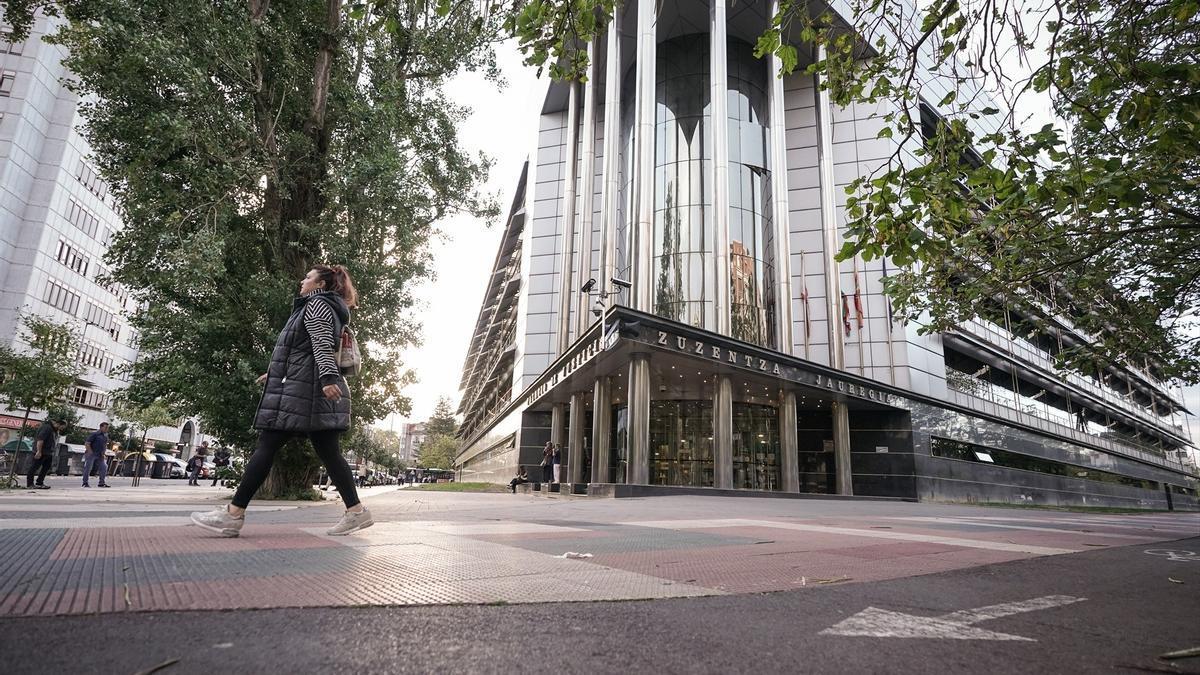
(63, 553)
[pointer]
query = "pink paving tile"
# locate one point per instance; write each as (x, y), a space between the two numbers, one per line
(749, 569)
(894, 550)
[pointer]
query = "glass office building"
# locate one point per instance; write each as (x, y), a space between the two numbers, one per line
(665, 304)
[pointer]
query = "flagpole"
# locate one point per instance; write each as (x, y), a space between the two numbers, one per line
(887, 304)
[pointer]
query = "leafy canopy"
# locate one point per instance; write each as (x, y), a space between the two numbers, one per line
(245, 142)
(437, 452)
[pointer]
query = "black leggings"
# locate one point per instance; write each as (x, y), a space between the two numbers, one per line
(269, 442)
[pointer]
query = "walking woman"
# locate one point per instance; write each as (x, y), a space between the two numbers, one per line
(305, 395)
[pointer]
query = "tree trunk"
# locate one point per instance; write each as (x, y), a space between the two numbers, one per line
(293, 474)
(289, 212)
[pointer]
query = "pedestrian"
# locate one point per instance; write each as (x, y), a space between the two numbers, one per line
(44, 444)
(220, 461)
(557, 463)
(95, 446)
(548, 462)
(193, 469)
(196, 464)
(521, 477)
(304, 394)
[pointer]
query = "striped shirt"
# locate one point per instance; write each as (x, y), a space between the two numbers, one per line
(319, 321)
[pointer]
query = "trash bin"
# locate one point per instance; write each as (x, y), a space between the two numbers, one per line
(62, 461)
(160, 469)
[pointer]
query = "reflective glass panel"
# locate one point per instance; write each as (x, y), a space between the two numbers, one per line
(681, 443)
(755, 447)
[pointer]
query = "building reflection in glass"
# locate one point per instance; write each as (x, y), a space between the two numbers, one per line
(751, 239)
(684, 246)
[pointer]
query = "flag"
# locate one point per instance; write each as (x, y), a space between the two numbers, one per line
(858, 310)
(846, 314)
(804, 297)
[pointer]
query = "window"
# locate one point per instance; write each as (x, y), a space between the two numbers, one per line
(7, 79)
(117, 290)
(91, 180)
(83, 219)
(7, 46)
(72, 258)
(102, 318)
(59, 296)
(969, 452)
(87, 398)
(92, 355)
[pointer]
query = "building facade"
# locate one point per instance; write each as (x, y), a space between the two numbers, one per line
(666, 305)
(414, 436)
(57, 220)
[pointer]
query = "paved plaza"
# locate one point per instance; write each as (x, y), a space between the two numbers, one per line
(74, 551)
(500, 582)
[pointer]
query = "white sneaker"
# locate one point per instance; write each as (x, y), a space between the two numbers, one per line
(220, 521)
(351, 522)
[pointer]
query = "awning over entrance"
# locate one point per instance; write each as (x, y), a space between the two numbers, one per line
(686, 359)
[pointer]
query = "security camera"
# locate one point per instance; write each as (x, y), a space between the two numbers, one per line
(587, 287)
(597, 311)
(622, 283)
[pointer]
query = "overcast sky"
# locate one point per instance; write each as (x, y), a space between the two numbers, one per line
(503, 124)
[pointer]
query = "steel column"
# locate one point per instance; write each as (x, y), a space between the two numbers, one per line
(578, 413)
(789, 462)
(587, 184)
(601, 421)
(780, 213)
(643, 230)
(611, 191)
(723, 432)
(639, 419)
(719, 123)
(833, 282)
(566, 287)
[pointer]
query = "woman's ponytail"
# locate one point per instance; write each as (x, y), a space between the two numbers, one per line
(337, 280)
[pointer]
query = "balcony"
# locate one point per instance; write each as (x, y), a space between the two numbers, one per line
(1031, 355)
(1031, 418)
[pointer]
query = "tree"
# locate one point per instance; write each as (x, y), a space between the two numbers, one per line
(38, 377)
(1089, 207)
(437, 452)
(140, 417)
(442, 422)
(245, 142)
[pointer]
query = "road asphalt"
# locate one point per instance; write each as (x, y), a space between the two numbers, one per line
(1128, 609)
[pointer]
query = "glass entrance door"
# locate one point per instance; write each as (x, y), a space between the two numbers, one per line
(681, 443)
(755, 447)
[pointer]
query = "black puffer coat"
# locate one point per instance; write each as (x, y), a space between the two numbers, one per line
(292, 398)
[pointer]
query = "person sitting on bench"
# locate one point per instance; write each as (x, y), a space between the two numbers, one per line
(521, 477)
